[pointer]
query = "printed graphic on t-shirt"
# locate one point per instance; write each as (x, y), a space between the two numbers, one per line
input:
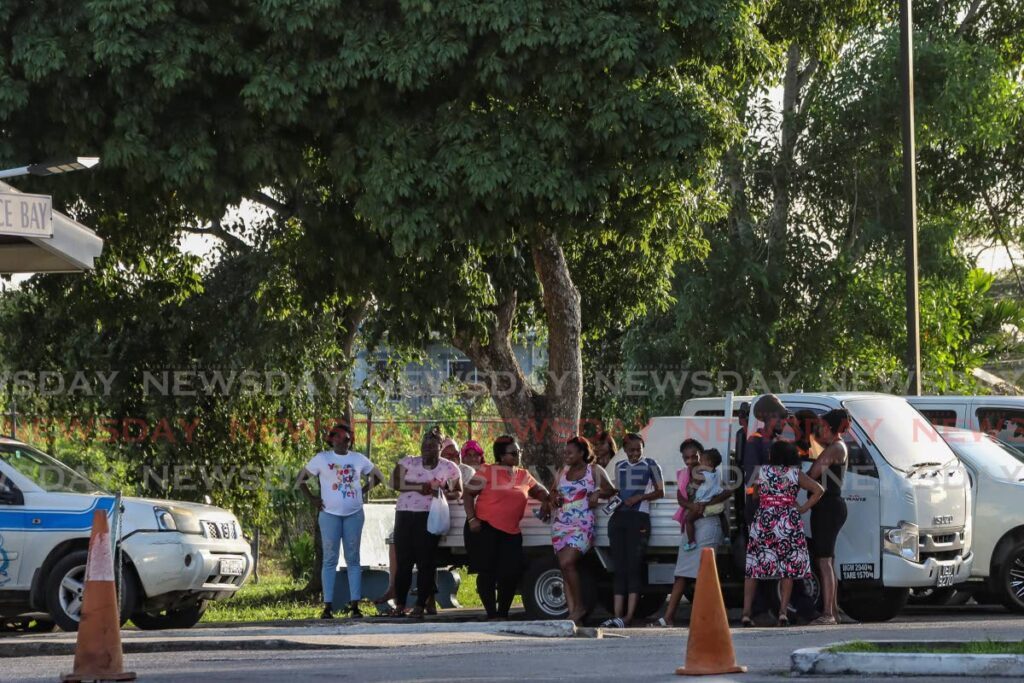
(346, 477)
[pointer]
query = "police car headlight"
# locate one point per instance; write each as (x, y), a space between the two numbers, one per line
(165, 520)
(903, 541)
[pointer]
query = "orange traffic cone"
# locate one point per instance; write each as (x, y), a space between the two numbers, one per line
(98, 654)
(709, 646)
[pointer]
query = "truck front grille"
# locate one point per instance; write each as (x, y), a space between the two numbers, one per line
(220, 530)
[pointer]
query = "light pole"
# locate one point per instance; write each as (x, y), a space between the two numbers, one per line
(52, 167)
(910, 198)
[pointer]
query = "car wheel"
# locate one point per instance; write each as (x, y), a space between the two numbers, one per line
(1011, 578)
(65, 589)
(185, 617)
(544, 590)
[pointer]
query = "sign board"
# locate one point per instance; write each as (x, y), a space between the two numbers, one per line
(26, 215)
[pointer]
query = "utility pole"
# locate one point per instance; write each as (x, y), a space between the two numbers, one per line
(910, 198)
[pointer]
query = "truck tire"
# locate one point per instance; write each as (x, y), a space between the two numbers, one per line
(185, 617)
(65, 587)
(1011, 578)
(881, 604)
(544, 591)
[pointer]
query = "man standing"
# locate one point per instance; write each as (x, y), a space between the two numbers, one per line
(340, 473)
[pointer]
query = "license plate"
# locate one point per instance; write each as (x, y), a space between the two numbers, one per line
(232, 567)
(946, 576)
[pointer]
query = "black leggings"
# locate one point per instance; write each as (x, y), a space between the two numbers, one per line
(628, 531)
(414, 545)
(499, 564)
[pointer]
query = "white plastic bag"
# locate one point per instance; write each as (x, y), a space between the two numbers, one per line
(439, 519)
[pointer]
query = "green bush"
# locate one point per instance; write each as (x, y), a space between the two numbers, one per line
(300, 556)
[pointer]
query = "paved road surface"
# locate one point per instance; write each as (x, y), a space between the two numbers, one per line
(651, 653)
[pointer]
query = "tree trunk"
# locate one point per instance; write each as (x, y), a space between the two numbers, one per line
(541, 419)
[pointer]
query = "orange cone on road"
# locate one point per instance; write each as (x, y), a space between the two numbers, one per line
(709, 646)
(98, 654)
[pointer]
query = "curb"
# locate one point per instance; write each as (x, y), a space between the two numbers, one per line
(150, 642)
(819, 661)
(141, 647)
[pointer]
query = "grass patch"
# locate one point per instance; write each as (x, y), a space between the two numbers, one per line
(978, 647)
(279, 597)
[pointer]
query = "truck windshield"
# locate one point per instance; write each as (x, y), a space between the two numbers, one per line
(904, 437)
(49, 474)
(1000, 460)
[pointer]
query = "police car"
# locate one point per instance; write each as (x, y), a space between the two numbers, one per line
(176, 557)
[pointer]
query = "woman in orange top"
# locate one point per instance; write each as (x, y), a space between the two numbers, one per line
(495, 502)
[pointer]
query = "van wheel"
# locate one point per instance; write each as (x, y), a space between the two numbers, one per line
(874, 605)
(1011, 578)
(544, 590)
(185, 617)
(65, 588)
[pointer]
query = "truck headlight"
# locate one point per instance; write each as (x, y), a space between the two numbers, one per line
(903, 541)
(164, 520)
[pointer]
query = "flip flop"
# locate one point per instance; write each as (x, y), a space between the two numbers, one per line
(746, 622)
(614, 623)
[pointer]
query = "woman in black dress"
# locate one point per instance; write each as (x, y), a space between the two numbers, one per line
(829, 515)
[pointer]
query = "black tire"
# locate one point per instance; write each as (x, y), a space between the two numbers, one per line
(881, 604)
(58, 590)
(185, 617)
(1011, 578)
(544, 591)
(930, 596)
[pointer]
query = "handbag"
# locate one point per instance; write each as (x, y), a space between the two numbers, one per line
(439, 519)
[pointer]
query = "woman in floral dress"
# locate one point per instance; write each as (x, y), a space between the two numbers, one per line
(580, 485)
(777, 548)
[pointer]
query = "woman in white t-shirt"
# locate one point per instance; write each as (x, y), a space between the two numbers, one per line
(340, 473)
(418, 480)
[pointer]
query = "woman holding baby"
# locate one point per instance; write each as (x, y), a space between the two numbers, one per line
(701, 497)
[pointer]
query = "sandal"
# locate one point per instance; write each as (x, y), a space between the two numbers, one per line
(614, 623)
(660, 623)
(386, 609)
(746, 622)
(415, 613)
(783, 621)
(824, 620)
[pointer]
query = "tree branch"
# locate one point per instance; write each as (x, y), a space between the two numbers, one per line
(977, 8)
(216, 230)
(280, 208)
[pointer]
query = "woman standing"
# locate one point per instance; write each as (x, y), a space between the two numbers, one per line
(829, 515)
(639, 481)
(572, 531)
(707, 527)
(777, 548)
(495, 502)
(340, 473)
(418, 480)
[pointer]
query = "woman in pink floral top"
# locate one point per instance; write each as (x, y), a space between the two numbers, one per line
(580, 485)
(418, 480)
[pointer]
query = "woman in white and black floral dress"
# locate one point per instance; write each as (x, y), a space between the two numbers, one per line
(777, 547)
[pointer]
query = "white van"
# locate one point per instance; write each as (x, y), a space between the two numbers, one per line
(908, 496)
(998, 416)
(176, 556)
(997, 480)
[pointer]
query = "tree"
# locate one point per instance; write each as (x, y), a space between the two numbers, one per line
(809, 263)
(499, 137)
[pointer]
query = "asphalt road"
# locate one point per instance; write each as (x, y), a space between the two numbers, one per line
(649, 653)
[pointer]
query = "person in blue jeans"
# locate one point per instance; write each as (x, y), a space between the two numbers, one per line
(341, 473)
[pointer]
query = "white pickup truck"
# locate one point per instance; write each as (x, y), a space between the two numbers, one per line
(176, 556)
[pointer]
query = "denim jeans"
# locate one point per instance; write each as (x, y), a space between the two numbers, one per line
(336, 531)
